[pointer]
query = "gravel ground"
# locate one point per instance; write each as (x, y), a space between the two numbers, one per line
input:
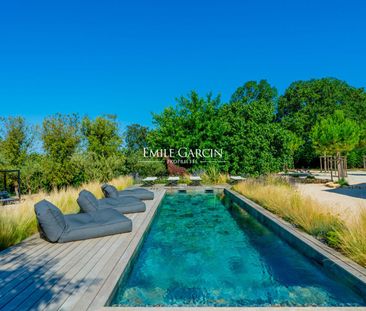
(346, 202)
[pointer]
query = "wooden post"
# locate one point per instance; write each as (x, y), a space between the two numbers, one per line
(331, 168)
(19, 189)
(345, 166)
(4, 181)
(321, 163)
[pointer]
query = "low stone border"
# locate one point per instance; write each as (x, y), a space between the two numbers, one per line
(352, 273)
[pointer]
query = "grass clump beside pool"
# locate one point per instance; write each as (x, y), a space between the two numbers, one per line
(282, 198)
(353, 239)
(19, 222)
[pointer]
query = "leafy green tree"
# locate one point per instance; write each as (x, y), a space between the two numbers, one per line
(136, 138)
(255, 143)
(305, 101)
(17, 140)
(245, 129)
(335, 135)
(61, 138)
(193, 123)
(102, 135)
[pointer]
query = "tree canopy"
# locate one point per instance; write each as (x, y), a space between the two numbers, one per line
(257, 131)
(16, 140)
(101, 135)
(304, 102)
(335, 134)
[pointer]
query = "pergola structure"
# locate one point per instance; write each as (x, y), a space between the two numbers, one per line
(4, 193)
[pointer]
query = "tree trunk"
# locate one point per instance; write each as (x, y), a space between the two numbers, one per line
(340, 166)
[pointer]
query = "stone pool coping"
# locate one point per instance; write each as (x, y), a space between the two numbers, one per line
(308, 245)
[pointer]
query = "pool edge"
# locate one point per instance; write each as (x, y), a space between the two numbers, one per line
(331, 259)
(280, 227)
(106, 292)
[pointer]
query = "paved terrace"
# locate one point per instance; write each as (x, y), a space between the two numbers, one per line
(37, 275)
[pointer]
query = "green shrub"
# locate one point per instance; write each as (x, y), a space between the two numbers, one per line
(342, 182)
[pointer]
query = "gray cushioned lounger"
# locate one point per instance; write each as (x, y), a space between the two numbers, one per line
(125, 205)
(56, 227)
(140, 193)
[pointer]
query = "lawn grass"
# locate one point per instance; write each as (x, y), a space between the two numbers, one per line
(19, 222)
(319, 220)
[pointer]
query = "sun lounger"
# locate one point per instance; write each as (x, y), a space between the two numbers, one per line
(235, 179)
(196, 180)
(140, 193)
(149, 181)
(6, 199)
(173, 180)
(123, 204)
(56, 227)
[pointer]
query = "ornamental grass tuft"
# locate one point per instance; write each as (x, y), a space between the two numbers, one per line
(281, 198)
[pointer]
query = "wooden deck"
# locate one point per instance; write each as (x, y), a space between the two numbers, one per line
(37, 275)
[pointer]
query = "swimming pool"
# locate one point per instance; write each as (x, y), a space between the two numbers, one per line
(200, 252)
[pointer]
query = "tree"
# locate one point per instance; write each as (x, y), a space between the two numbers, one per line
(305, 101)
(255, 143)
(193, 123)
(102, 135)
(136, 138)
(61, 138)
(335, 134)
(17, 140)
(245, 129)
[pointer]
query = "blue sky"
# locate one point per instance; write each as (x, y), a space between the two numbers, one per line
(132, 58)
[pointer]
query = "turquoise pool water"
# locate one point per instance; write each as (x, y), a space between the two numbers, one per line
(199, 252)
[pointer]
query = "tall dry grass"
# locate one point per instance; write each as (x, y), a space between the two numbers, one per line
(319, 220)
(19, 222)
(353, 238)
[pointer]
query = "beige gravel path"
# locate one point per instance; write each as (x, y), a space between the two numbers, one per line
(347, 202)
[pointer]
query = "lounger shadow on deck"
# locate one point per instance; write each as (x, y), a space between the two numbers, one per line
(33, 284)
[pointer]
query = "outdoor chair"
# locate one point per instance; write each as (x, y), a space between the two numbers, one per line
(140, 193)
(195, 180)
(5, 198)
(173, 180)
(149, 181)
(123, 204)
(57, 227)
(236, 179)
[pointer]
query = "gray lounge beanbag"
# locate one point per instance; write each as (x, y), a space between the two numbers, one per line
(140, 193)
(57, 227)
(124, 204)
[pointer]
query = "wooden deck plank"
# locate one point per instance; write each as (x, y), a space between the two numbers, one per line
(114, 274)
(116, 242)
(20, 247)
(30, 267)
(72, 281)
(18, 258)
(21, 260)
(92, 274)
(100, 274)
(64, 276)
(29, 245)
(54, 286)
(25, 287)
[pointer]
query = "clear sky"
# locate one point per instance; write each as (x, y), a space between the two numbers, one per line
(132, 58)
